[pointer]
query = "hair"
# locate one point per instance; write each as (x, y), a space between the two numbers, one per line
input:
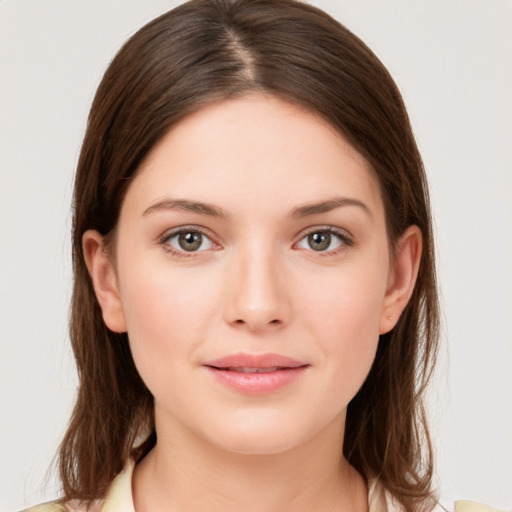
(207, 51)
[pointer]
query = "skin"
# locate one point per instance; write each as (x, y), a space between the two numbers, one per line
(256, 284)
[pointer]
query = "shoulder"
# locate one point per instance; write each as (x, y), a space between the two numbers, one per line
(118, 499)
(473, 506)
(51, 506)
(381, 500)
(69, 506)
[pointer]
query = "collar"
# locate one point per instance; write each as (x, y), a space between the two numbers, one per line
(119, 498)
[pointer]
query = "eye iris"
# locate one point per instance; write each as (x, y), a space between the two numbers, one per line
(319, 241)
(190, 241)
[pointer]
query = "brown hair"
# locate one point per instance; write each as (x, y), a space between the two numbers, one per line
(209, 50)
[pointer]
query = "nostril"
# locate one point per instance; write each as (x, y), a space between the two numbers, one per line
(272, 322)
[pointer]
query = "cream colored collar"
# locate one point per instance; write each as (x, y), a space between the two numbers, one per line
(120, 498)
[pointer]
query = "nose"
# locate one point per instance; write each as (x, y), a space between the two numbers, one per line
(258, 299)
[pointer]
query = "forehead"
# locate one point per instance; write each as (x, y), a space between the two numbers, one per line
(253, 153)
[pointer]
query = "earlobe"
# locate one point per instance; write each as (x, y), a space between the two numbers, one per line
(104, 280)
(402, 278)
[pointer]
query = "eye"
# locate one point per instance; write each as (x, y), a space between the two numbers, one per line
(187, 240)
(323, 240)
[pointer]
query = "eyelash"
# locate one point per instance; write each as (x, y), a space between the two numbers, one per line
(165, 239)
(343, 237)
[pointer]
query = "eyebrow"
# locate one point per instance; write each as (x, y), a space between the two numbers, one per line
(326, 206)
(214, 211)
(188, 206)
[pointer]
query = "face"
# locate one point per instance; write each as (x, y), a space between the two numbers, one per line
(252, 274)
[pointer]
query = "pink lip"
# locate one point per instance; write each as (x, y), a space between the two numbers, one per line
(255, 361)
(277, 372)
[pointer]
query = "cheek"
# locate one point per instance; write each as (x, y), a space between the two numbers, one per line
(168, 313)
(344, 318)
(346, 301)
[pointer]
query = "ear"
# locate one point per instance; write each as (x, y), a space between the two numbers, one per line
(104, 280)
(402, 278)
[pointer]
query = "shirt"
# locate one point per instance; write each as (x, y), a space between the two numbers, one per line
(119, 498)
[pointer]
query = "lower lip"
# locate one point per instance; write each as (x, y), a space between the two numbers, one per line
(257, 383)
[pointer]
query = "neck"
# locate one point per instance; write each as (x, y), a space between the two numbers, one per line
(183, 472)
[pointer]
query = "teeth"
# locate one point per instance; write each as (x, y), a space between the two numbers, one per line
(243, 369)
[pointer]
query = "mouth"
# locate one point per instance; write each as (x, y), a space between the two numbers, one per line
(256, 374)
(253, 363)
(244, 369)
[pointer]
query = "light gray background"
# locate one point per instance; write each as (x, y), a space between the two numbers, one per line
(453, 62)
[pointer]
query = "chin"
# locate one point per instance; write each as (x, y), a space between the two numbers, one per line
(256, 443)
(260, 433)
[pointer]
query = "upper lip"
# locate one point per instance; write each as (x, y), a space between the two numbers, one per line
(242, 360)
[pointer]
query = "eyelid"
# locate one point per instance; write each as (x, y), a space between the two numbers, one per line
(191, 228)
(346, 238)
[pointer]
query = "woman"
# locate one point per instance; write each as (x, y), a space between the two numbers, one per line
(254, 302)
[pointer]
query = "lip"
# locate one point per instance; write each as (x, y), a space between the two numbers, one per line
(256, 373)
